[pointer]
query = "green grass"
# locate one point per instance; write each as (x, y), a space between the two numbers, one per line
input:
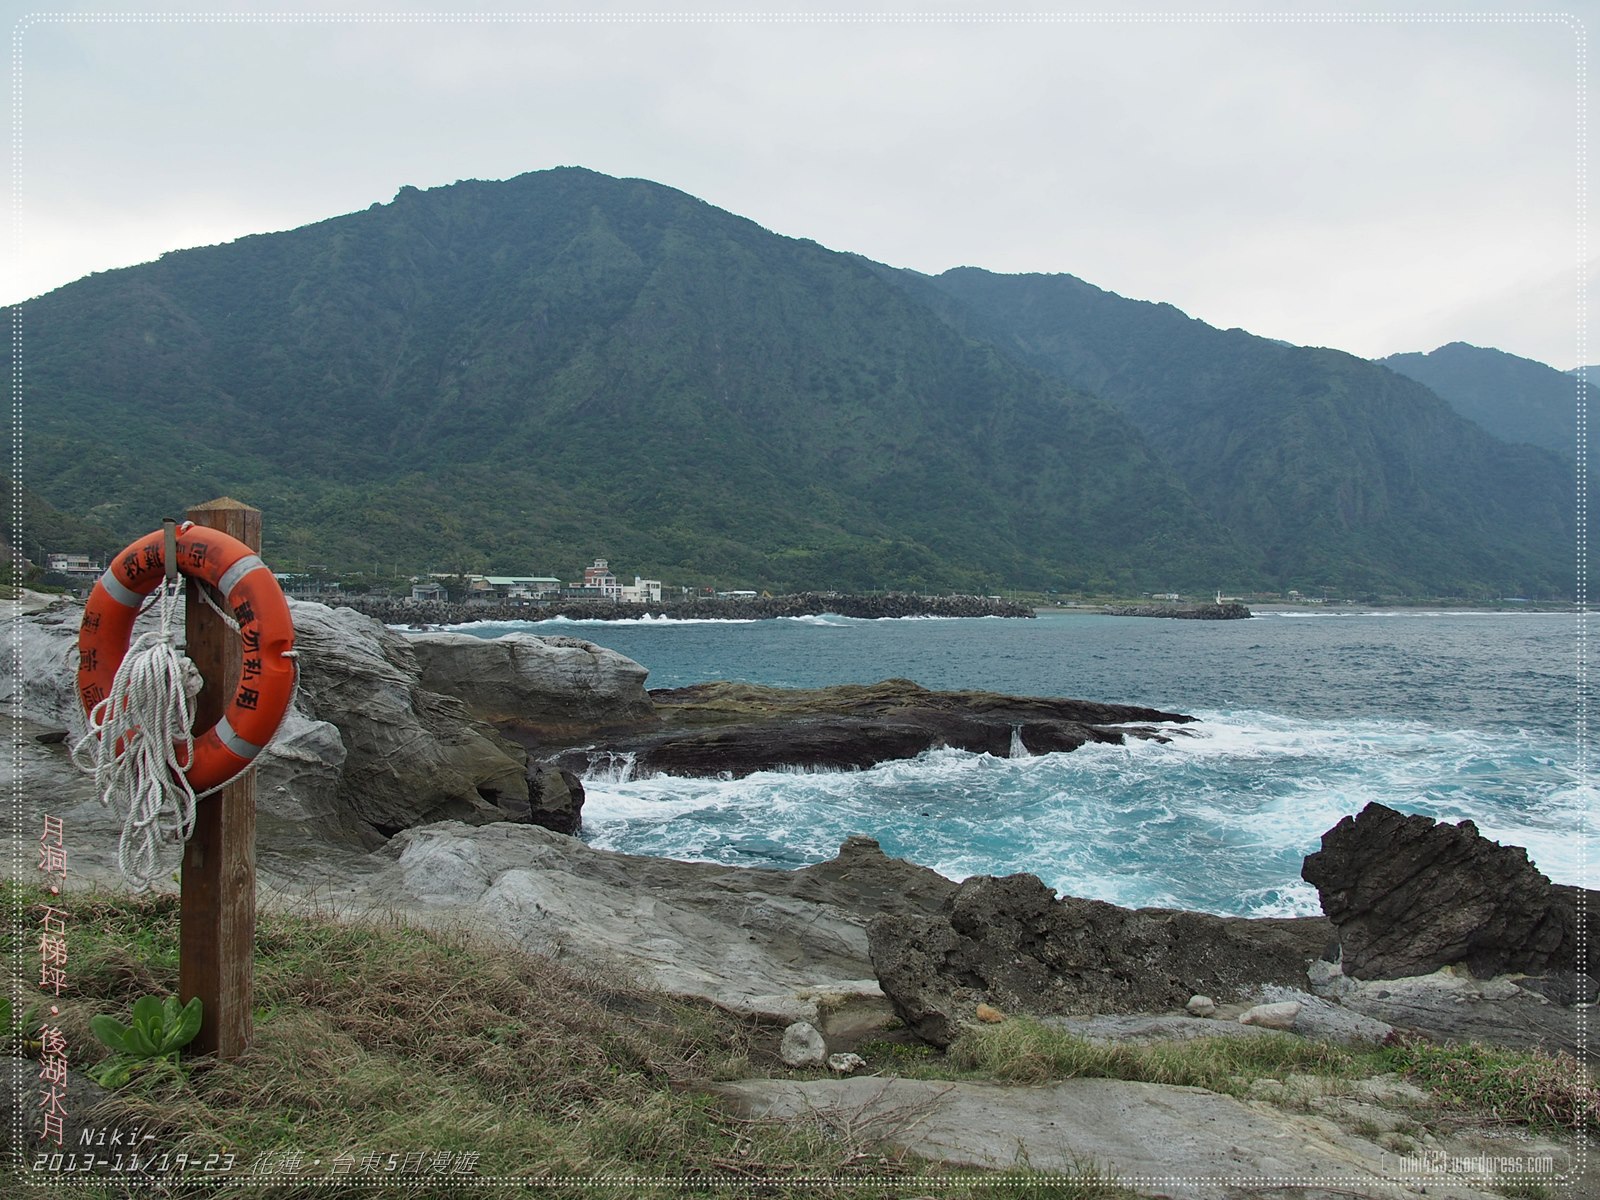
(1534, 1088)
(382, 1039)
(1024, 1051)
(389, 1040)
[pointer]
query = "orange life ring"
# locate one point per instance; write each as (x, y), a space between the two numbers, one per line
(266, 636)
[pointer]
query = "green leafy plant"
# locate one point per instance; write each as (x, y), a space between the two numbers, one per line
(19, 1034)
(159, 1030)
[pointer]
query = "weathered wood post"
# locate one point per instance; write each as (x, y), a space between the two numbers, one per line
(216, 937)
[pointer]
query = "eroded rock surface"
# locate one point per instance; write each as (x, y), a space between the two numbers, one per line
(555, 799)
(786, 945)
(1409, 895)
(739, 728)
(1450, 1005)
(1178, 1142)
(368, 749)
(536, 689)
(1009, 941)
(412, 755)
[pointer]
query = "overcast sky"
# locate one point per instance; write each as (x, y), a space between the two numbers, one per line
(1375, 185)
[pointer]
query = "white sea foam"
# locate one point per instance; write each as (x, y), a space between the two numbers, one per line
(1294, 899)
(1217, 821)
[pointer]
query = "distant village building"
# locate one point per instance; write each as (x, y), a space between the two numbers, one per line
(520, 587)
(77, 566)
(643, 591)
(600, 576)
(598, 584)
(427, 591)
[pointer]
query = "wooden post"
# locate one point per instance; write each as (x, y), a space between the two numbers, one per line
(216, 936)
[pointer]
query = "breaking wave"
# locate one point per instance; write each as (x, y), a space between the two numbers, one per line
(1219, 819)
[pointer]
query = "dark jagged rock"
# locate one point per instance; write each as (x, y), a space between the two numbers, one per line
(1010, 942)
(1409, 895)
(394, 611)
(1190, 612)
(555, 800)
(735, 728)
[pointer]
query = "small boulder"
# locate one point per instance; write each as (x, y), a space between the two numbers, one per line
(1272, 1016)
(1201, 1006)
(845, 1064)
(802, 1046)
(989, 1014)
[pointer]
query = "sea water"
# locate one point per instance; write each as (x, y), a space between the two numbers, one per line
(1304, 717)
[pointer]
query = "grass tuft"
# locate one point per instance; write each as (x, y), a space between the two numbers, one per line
(375, 1042)
(1024, 1051)
(1536, 1088)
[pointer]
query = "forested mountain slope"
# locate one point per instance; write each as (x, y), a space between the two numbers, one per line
(516, 377)
(1516, 399)
(1342, 473)
(519, 376)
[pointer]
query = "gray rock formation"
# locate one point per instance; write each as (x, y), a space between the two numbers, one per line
(1450, 1005)
(367, 750)
(411, 755)
(1145, 1028)
(1409, 895)
(1182, 1143)
(536, 689)
(1011, 942)
(38, 678)
(802, 1046)
(784, 945)
(1325, 1021)
(1279, 1014)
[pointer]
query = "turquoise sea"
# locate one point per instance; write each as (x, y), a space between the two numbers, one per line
(1304, 718)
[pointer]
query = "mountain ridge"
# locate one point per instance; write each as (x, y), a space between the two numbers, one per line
(1518, 400)
(1339, 469)
(531, 373)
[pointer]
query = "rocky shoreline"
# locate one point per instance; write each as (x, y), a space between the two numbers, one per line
(890, 605)
(736, 729)
(413, 776)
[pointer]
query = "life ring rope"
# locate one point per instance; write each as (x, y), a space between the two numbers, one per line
(139, 698)
(138, 738)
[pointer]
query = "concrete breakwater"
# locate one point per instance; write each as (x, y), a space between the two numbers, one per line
(393, 611)
(1191, 612)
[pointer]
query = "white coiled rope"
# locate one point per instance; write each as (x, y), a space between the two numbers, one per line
(133, 743)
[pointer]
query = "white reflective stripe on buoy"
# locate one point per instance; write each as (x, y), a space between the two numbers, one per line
(122, 594)
(235, 743)
(232, 576)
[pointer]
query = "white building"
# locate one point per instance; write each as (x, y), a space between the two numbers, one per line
(642, 591)
(517, 587)
(78, 565)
